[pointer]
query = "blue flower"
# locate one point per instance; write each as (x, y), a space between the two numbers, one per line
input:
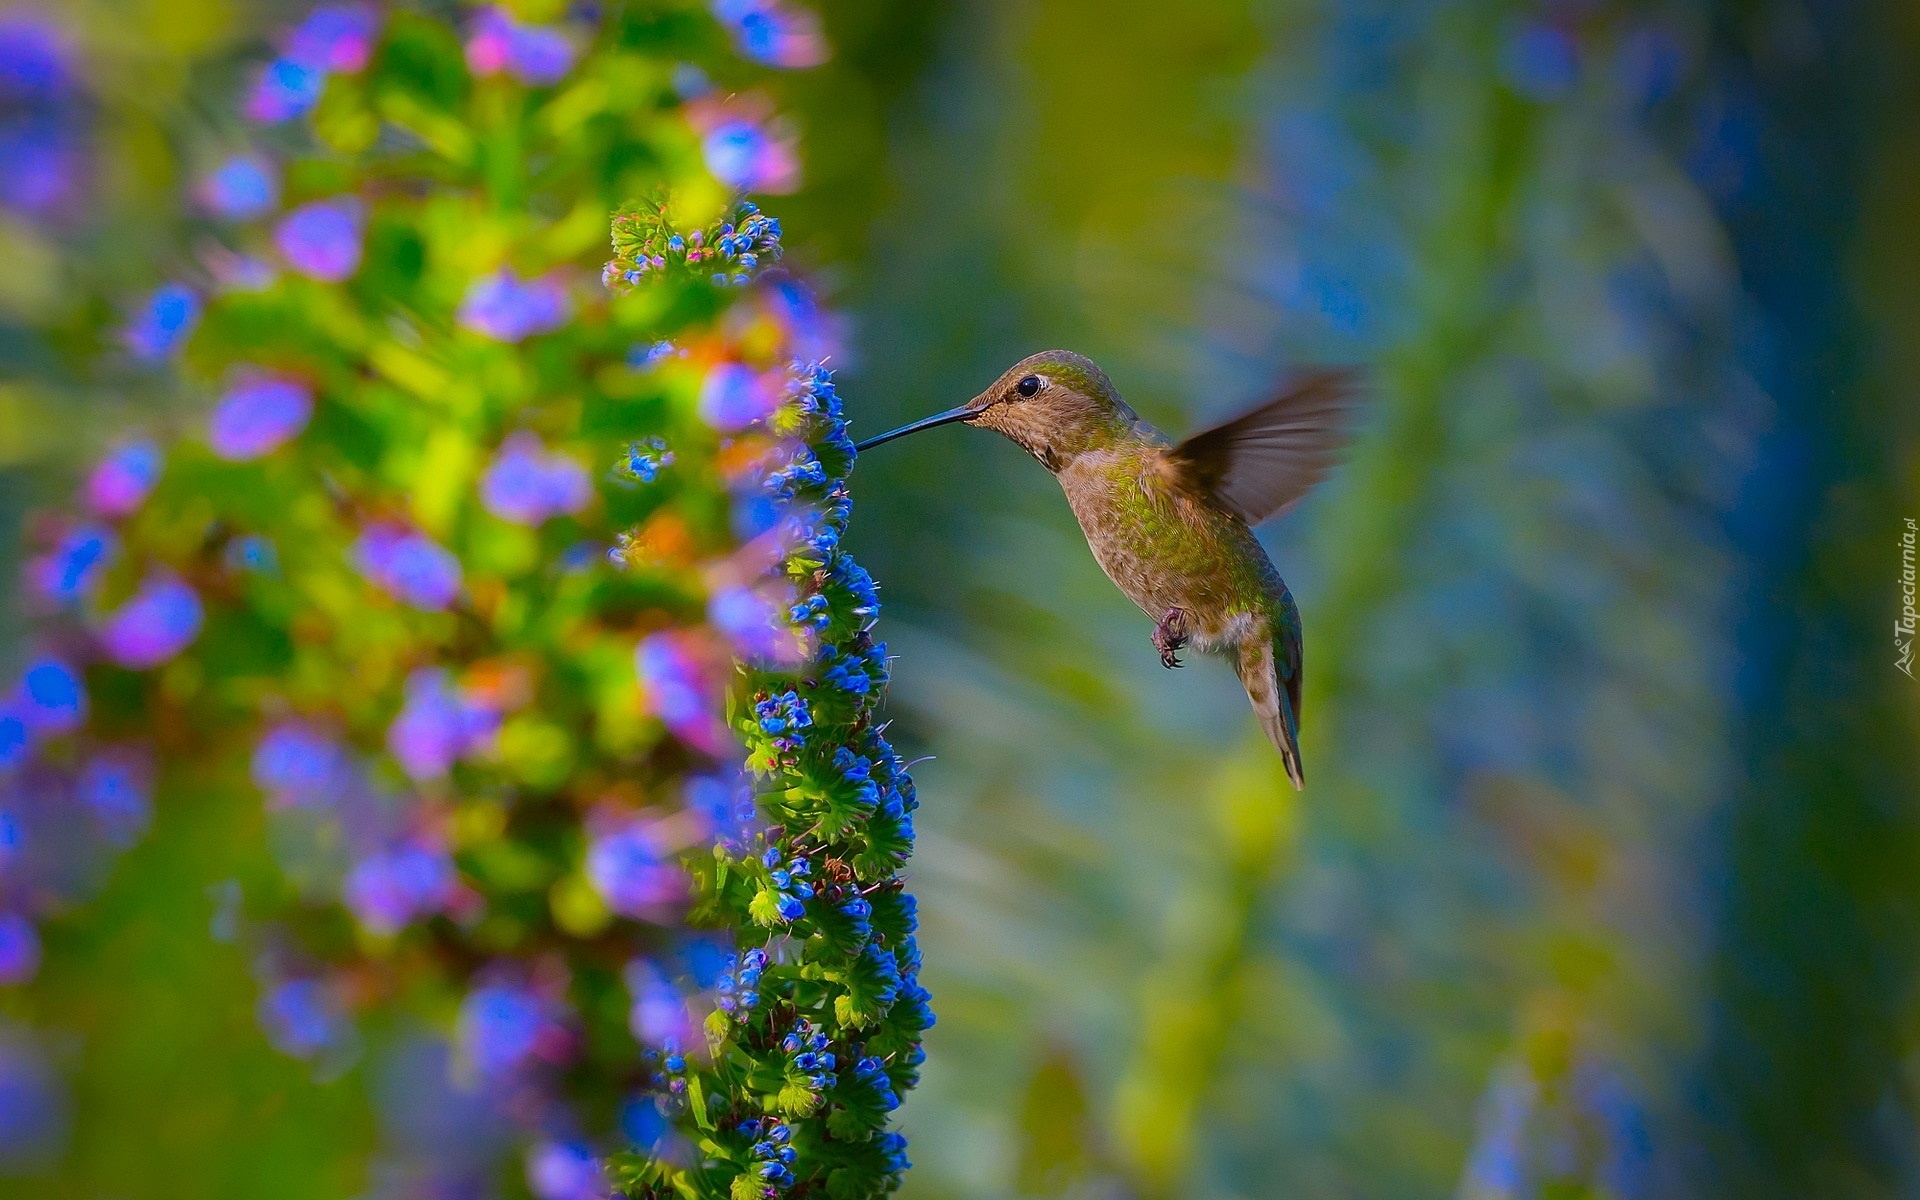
(242, 187)
(75, 565)
(297, 765)
(322, 239)
(501, 1028)
(42, 154)
(773, 33)
(645, 459)
(163, 322)
(565, 1171)
(300, 1018)
(284, 89)
(785, 718)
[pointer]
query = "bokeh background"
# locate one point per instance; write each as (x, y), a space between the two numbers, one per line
(1607, 883)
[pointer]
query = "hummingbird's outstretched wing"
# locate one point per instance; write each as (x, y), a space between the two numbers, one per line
(1261, 462)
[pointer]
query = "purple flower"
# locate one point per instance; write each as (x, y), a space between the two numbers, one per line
(243, 187)
(72, 569)
(283, 90)
(51, 700)
(565, 1171)
(19, 949)
(769, 32)
(257, 416)
(335, 37)
(409, 566)
(677, 687)
(163, 322)
(116, 787)
(628, 866)
(298, 766)
(509, 309)
(743, 148)
(537, 55)
(40, 148)
(390, 888)
(754, 620)
(659, 1016)
(501, 1028)
(158, 622)
(733, 396)
(300, 1018)
(741, 154)
(527, 485)
(439, 725)
(322, 239)
(121, 482)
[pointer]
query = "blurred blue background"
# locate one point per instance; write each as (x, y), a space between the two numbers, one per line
(1607, 880)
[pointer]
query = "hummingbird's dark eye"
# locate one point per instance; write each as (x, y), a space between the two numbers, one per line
(1028, 386)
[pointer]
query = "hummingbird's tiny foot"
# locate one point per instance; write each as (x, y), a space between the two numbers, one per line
(1169, 636)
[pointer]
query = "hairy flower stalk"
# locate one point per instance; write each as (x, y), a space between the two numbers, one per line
(515, 608)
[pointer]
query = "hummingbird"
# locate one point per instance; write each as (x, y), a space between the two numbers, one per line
(1172, 524)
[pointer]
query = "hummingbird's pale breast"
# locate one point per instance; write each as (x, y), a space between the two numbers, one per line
(1166, 548)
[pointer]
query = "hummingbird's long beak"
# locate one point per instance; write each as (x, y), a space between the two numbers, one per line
(946, 418)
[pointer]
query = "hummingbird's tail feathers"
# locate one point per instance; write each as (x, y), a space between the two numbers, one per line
(1273, 704)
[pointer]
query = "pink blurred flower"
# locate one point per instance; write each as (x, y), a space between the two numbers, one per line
(770, 32)
(537, 55)
(744, 145)
(659, 1015)
(392, 887)
(565, 1171)
(158, 622)
(439, 725)
(509, 309)
(120, 484)
(322, 239)
(677, 685)
(734, 396)
(409, 566)
(629, 865)
(257, 416)
(526, 485)
(335, 37)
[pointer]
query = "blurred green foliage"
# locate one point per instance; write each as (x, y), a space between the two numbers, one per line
(1604, 884)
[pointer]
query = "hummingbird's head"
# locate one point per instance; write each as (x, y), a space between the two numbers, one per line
(1055, 405)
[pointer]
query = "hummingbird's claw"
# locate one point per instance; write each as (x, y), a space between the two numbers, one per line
(1169, 636)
